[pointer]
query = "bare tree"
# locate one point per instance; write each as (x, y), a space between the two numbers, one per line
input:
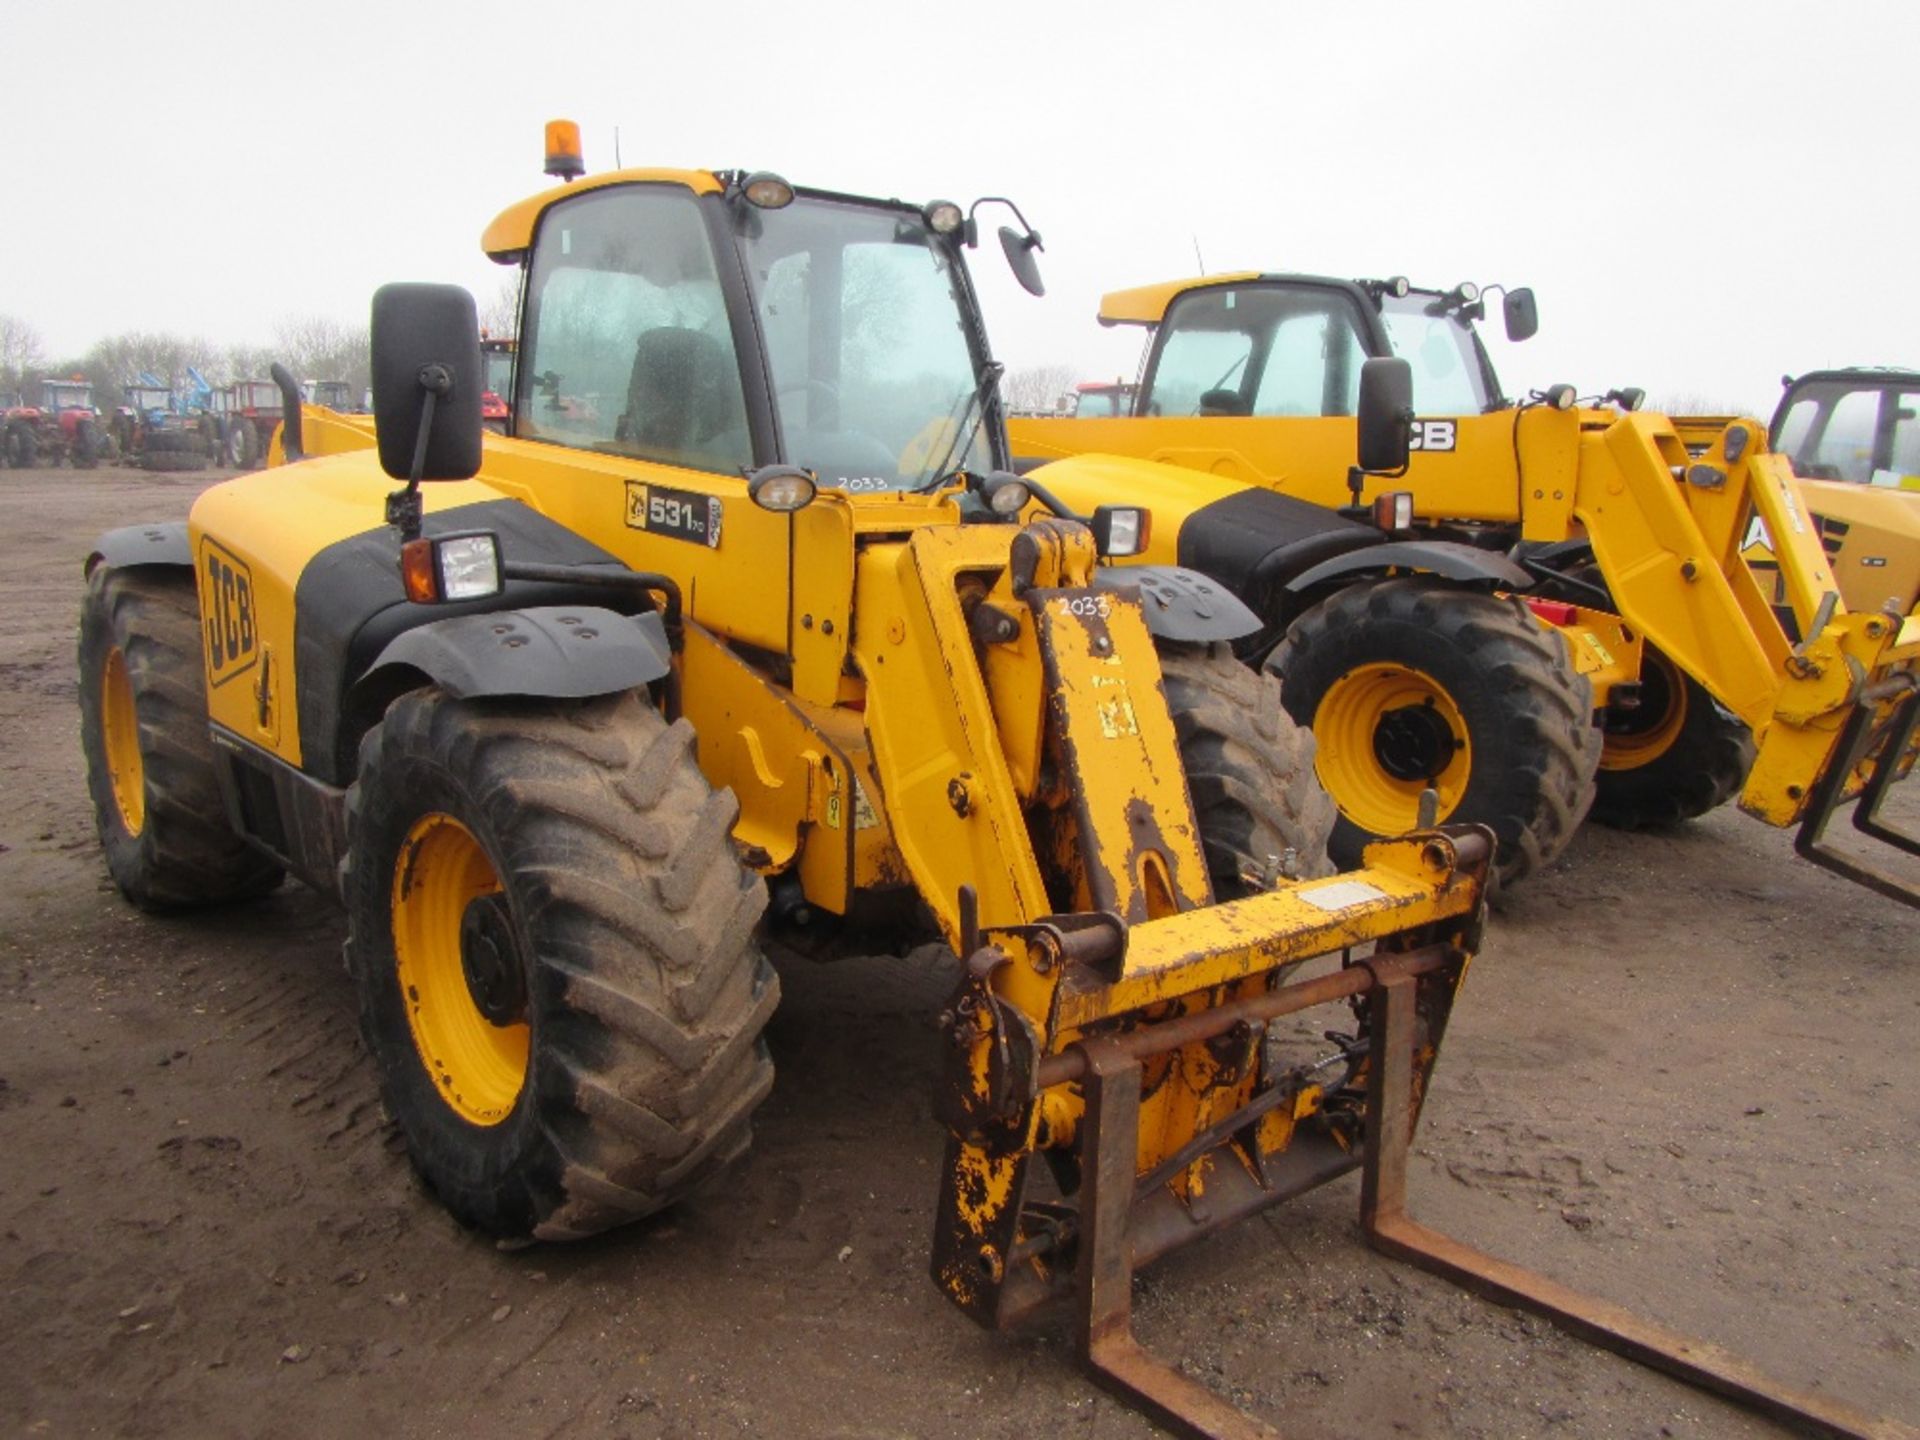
(317, 348)
(1691, 403)
(119, 360)
(499, 315)
(21, 350)
(1036, 389)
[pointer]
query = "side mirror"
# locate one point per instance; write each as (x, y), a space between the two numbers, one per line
(1521, 314)
(1020, 250)
(1386, 415)
(426, 344)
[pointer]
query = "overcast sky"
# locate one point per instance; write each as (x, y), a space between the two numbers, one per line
(1703, 195)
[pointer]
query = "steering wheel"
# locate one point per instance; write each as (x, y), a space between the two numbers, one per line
(816, 392)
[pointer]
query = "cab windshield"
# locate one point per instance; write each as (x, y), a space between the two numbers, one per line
(862, 312)
(1449, 377)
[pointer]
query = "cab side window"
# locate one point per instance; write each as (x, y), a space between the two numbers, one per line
(628, 349)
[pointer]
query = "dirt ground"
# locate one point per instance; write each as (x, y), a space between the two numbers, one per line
(1683, 1075)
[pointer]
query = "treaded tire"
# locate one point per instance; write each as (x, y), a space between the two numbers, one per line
(1533, 747)
(23, 449)
(172, 460)
(1703, 766)
(243, 445)
(86, 445)
(185, 854)
(633, 922)
(1249, 768)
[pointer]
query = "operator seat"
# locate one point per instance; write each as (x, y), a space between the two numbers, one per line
(680, 393)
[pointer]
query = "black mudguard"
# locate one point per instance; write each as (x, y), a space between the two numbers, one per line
(164, 543)
(1447, 558)
(561, 651)
(1181, 604)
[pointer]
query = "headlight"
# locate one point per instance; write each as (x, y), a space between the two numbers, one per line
(782, 488)
(1393, 510)
(453, 567)
(1121, 530)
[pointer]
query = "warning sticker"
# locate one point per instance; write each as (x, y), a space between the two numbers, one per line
(1339, 894)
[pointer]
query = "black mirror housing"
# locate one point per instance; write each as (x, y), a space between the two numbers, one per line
(1521, 314)
(1020, 250)
(426, 334)
(1386, 415)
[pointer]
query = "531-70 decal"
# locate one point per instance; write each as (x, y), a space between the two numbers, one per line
(683, 514)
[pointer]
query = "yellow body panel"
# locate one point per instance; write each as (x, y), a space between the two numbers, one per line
(511, 232)
(1147, 304)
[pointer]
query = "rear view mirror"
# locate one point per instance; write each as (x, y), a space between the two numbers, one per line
(426, 341)
(1521, 314)
(1020, 250)
(1386, 415)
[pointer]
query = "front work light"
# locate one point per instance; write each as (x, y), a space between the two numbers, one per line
(767, 191)
(782, 488)
(1005, 494)
(451, 567)
(563, 150)
(1465, 293)
(1399, 287)
(1121, 530)
(943, 217)
(1393, 510)
(1561, 397)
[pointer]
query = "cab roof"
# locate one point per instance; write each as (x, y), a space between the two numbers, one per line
(1147, 304)
(511, 234)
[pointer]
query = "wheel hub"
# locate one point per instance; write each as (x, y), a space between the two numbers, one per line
(1413, 742)
(491, 961)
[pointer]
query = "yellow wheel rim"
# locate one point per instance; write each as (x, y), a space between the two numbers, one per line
(1385, 733)
(478, 1064)
(1649, 731)
(120, 728)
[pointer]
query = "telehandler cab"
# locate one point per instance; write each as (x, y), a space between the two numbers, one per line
(738, 639)
(1452, 624)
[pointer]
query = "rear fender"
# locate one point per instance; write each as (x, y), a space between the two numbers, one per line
(1449, 559)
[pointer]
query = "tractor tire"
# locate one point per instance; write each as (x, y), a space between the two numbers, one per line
(1410, 683)
(86, 445)
(1249, 770)
(150, 761)
(553, 943)
(23, 449)
(243, 445)
(1674, 758)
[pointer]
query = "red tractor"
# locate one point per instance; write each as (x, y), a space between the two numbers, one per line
(60, 426)
(496, 356)
(248, 412)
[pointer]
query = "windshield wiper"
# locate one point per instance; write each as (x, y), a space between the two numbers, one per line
(968, 424)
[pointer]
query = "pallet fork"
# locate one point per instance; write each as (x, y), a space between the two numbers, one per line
(1391, 989)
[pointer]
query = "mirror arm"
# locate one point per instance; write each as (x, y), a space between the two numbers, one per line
(403, 506)
(290, 419)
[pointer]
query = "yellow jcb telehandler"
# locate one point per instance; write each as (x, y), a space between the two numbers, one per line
(1452, 624)
(738, 638)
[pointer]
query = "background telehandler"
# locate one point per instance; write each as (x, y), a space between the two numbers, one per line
(1391, 604)
(738, 638)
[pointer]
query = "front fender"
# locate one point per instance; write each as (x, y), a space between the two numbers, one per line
(551, 651)
(160, 544)
(1181, 604)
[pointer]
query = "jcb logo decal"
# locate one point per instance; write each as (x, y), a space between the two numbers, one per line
(226, 612)
(1433, 435)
